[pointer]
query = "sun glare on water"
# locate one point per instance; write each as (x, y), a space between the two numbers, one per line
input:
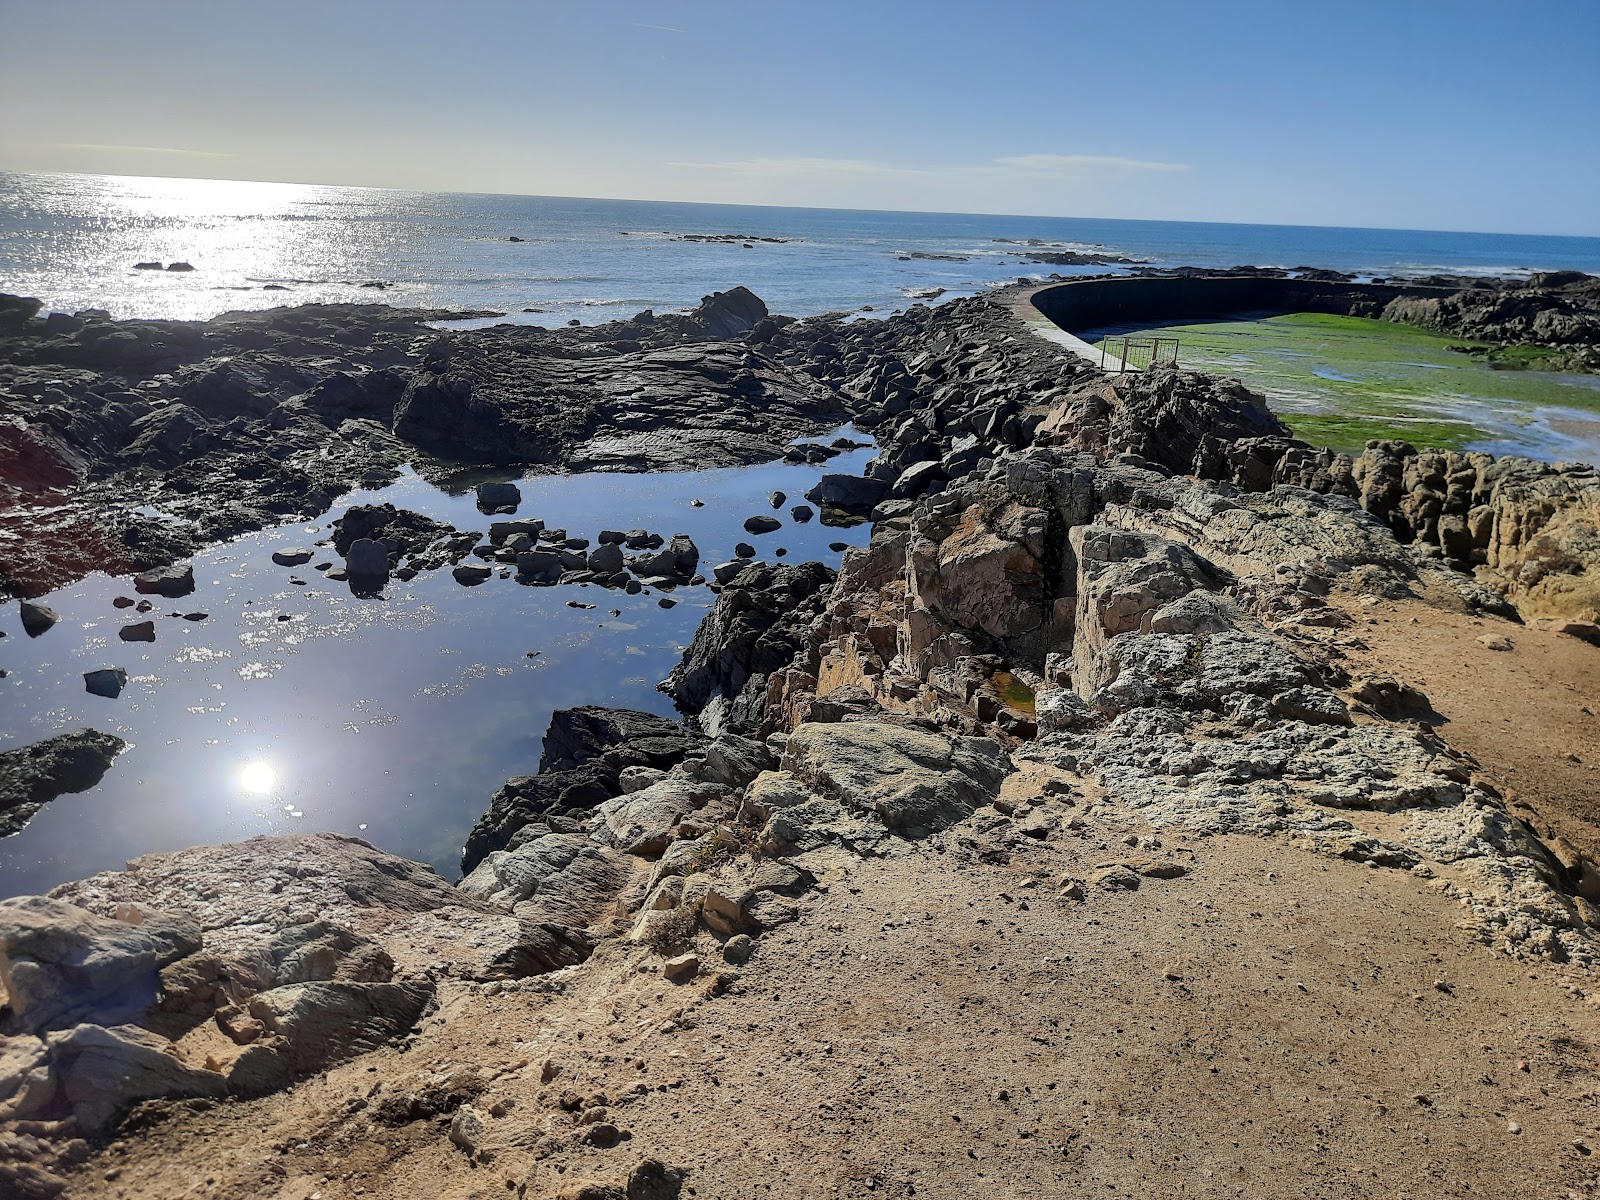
(258, 777)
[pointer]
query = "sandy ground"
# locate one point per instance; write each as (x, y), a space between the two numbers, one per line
(1530, 715)
(1272, 1024)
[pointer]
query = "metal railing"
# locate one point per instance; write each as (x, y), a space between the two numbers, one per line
(1137, 353)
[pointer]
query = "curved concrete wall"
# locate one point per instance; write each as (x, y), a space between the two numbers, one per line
(1086, 304)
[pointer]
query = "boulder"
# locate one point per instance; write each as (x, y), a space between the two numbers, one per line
(606, 558)
(107, 682)
(62, 965)
(853, 494)
(36, 618)
(561, 877)
(367, 559)
(913, 780)
(139, 631)
(317, 1025)
(642, 822)
(493, 497)
(100, 1072)
(170, 582)
(760, 525)
(292, 558)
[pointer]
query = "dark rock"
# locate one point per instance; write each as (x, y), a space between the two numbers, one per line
(179, 266)
(801, 513)
(139, 631)
(757, 626)
(107, 682)
(36, 618)
(760, 525)
(852, 494)
(32, 776)
(498, 497)
(367, 559)
(170, 582)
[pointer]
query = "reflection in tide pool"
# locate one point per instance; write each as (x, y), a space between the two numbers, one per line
(296, 706)
(258, 777)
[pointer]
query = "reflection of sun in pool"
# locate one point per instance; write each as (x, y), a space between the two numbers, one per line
(259, 777)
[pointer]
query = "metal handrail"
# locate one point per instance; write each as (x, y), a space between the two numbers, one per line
(1127, 353)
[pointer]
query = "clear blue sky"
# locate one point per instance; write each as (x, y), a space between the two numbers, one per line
(1439, 114)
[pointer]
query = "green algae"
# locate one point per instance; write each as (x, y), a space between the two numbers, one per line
(1013, 691)
(1340, 381)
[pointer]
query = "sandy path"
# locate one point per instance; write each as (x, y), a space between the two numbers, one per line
(937, 1028)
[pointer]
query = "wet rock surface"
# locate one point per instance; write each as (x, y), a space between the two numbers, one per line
(128, 445)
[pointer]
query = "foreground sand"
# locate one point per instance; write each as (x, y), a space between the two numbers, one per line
(1272, 1024)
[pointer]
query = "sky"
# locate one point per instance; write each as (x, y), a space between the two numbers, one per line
(1417, 114)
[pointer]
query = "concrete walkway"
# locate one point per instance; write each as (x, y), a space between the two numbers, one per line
(1019, 300)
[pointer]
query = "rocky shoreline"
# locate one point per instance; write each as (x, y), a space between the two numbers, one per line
(1103, 623)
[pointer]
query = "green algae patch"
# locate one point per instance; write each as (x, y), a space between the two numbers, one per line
(1013, 691)
(1340, 381)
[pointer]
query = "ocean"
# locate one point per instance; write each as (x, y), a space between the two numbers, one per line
(73, 241)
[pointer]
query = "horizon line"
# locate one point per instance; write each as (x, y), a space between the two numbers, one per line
(1593, 237)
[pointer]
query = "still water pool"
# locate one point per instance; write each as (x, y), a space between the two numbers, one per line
(392, 719)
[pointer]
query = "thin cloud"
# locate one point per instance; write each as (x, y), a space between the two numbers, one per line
(144, 150)
(662, 28)
(802, 166)
(1064, 165)
(1071, 163)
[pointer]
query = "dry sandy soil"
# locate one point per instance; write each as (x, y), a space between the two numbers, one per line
(1529, 715)
(1271, 1024)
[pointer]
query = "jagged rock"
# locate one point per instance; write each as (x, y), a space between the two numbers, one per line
(756, 626)
(585, 752)
(32, 776)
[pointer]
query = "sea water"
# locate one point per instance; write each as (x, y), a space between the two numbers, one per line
(73, 241)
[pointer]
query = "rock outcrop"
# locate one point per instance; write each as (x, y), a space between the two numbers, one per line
(32, 776)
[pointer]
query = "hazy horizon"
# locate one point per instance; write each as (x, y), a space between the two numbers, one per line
(1453, 117)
